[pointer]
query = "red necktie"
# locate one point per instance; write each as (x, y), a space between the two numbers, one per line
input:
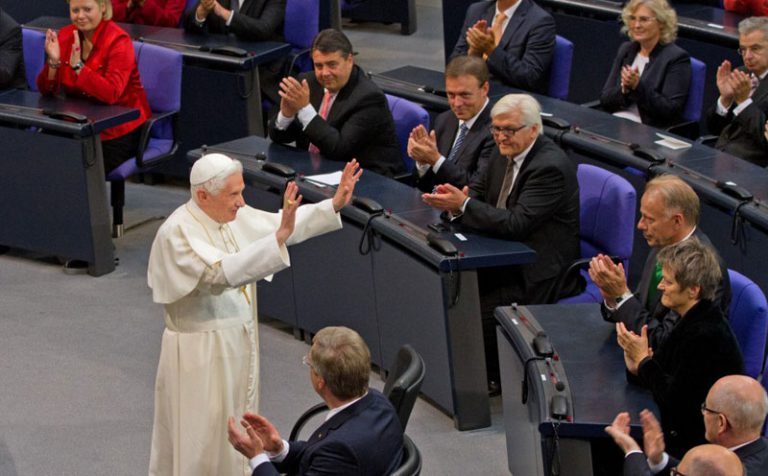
(326, 104)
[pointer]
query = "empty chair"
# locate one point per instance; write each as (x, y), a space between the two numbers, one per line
(302, 24)
(392, 11)
(748, 316)
(692, 110)
(560, 71)
(407, 115)
(402, 388)
(606, 224)
(160, 71)
(33, 42)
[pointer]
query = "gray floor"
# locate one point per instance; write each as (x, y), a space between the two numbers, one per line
(78, 354)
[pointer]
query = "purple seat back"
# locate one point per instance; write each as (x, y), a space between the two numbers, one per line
(302, 24)
(748, 316)
(406, 115)
(693, 105)
(160, 71)
(34, 55)
(560, 71)
(606, 221)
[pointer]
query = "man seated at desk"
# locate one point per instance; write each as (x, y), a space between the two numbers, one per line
(739, 114)
(528, 193)
(458, 148)
(337, 111)
(669, 214)
(516, 38)
(11, 54)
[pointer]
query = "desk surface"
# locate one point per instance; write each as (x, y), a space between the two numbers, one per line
(196, 48)
(32, 109)
(593, 363)
(407, 217)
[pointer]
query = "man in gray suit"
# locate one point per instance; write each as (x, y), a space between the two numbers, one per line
(739, 114)
(459, 147)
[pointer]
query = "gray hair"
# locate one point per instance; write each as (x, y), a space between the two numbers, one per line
(692, 263)
(529, 108)
(748, 25)
(678, 197)
(216, 183)
(341, 357)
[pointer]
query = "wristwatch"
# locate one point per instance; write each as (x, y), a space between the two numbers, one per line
(624, 296)
(78, 66)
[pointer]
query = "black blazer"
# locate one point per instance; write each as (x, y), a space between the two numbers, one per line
(258, 20)
(663, 88)
(542, 212)
(661, 320)
(700, 350)
(11, 54)
(523, 57)
(742, 135)
(359, 125)
(470, 160)
(364, 439)
(754, 458)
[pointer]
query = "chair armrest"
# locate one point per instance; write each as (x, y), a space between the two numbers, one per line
(304, 418)
(288, 67)
(147, 128)
(577, 265)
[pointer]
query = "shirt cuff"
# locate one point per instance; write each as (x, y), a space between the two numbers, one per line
(199, 21)
(632, 452)
(657, 468)
(283, 122)
(720, 109)
(258, 460)
(306, 114)
(231, 16)
(438, 164)
(742, 106)
(422, 168)
(624, 298)
(280, 456)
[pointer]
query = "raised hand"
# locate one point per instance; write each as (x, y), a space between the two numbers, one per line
(349, 178)
(294, 95)
(291, 202)
(724, 84)
(608, 276)
(52, 49)
(422, 146)
(619, 431)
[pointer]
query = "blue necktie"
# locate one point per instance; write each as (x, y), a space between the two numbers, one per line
(459, 140)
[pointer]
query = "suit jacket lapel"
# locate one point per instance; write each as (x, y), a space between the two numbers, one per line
(512, 198)
(514, 23)
(645, 279)
(445, 141)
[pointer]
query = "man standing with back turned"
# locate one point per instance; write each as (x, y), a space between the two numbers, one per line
(202, 267)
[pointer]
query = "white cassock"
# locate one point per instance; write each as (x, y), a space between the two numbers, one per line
(204, 273)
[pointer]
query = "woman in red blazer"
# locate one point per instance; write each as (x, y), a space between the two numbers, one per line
(149, 12)
(94, 58)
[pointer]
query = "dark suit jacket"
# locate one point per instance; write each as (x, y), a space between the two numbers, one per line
(661, 320)
(11, 54)
(471, 159)
(359, 125)
(700, 349)
(754, 458)
(542, 212)
(663, 88)
(258, 20)
(742, 135)
(364, 439)
(636, 464)
(523, 57)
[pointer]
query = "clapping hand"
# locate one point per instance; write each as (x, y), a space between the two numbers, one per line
(422, 146)
(635, 347)
(349, 178)
(608, 276)
(630, 77)
(447, 197)
(52, 49)
(294, 95)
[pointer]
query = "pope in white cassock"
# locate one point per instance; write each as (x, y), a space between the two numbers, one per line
(203, 265)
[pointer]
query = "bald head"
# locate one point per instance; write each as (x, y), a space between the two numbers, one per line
(744, 403)
(710, 460)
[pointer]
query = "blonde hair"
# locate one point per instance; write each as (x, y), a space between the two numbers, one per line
(665, 15)
(107, 8)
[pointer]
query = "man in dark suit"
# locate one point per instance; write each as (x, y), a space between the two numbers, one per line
(528, 193)
(361, 434)
(459, 147)
(734, 412)
(669, 214)
(337, 111)
(11, 54)
(739, 114)
(515, 37)
(254, 20)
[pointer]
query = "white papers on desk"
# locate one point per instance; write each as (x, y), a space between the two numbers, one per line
(671, 143)
(332, 179)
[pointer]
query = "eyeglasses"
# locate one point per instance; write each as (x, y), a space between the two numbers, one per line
(641, 20)
(506, 131)
(305, 361)
(704, 409)
(754, 49)
(675, 472)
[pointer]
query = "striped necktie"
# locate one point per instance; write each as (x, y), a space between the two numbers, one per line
(459, 141)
